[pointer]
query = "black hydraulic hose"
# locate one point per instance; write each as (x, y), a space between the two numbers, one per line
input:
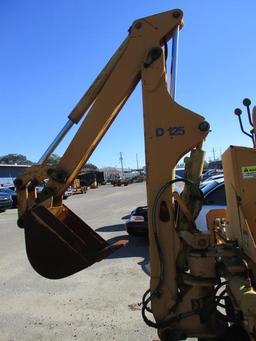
(154, 222)
(165, 50)
(156, 292)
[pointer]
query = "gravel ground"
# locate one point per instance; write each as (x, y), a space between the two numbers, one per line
(99, 303)
(96, 304)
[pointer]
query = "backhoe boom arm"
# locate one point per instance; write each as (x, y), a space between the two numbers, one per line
(107, 95)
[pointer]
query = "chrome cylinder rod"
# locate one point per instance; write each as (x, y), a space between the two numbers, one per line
(174, 62)
(56, 142)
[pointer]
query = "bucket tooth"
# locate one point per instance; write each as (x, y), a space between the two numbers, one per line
(59, 243)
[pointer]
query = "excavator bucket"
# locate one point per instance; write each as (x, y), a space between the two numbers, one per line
(59, 243)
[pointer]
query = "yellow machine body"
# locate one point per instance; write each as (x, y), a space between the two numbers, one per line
(239, 165)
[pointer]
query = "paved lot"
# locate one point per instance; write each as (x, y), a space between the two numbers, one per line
(99, 303)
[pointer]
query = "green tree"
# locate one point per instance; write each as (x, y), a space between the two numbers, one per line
(53, 160)
(12, 159)
(89, 167)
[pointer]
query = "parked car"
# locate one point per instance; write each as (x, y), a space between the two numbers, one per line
(180, 172)
(137, 179)
(137, 225)
(119, 182)
(211, 178)
(211, 172)
(68, 192)
(214, 198)
(5, 201)
(12, 193)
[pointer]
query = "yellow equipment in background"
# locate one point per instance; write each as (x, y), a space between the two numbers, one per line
(77, 187)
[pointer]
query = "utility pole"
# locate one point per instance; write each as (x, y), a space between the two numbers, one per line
(213, 153)
(220, 153)
(137, 161)
(122, 166)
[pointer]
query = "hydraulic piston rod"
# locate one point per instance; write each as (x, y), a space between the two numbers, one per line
(56, 142)
(174, 62)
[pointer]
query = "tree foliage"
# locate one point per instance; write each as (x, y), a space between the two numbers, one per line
(12, 159)
(53, 160)
(89, 167)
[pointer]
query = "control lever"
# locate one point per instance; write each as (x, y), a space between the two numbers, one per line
(238, 113)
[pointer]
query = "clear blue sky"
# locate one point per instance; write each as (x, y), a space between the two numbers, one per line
(51, 51)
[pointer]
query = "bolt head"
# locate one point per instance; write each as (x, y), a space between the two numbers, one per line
(176, 14)
(202, 243)
(204, 126)
(138, 25)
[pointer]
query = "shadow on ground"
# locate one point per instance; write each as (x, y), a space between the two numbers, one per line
(126, 217)
(136, 247)
(111, 228)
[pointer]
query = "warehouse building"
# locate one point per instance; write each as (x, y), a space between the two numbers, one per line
(9, 172)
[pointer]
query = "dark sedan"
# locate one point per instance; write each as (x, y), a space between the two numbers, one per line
(5, 201)
(10, 192)
(137, 224)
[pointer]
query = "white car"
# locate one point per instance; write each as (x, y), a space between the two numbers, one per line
(214, 198)
(211, 178)
(210, 173)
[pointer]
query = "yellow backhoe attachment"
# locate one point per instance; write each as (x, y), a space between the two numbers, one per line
(187, 265)
(58, 242)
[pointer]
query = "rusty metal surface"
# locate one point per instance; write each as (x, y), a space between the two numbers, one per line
(59, 243)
